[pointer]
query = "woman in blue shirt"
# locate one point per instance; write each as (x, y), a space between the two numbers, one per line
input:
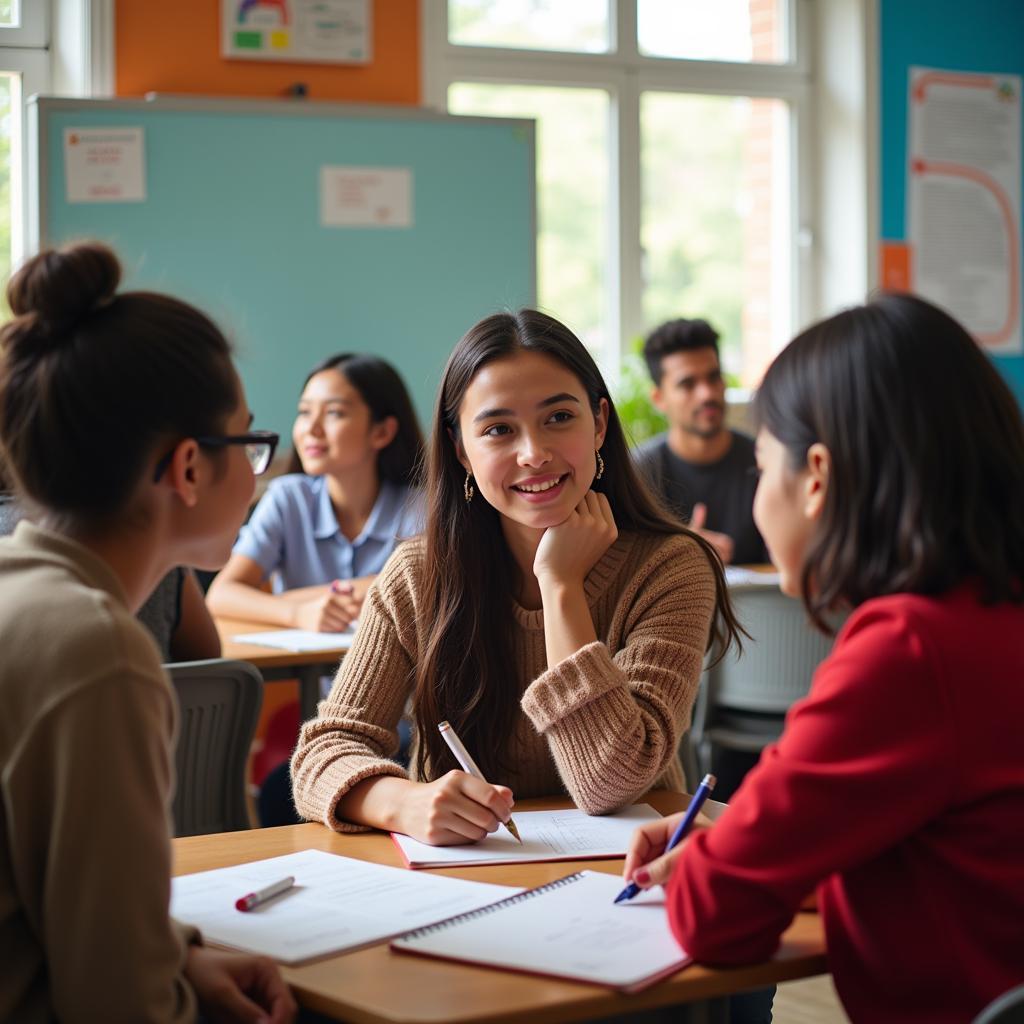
(323, 531)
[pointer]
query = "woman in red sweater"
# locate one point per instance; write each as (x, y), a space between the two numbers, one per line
(891, 456)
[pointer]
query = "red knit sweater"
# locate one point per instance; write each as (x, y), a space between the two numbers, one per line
(898, 790)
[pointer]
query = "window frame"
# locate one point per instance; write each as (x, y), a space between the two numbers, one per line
(32, 30)
(24, 51)
(625, 74)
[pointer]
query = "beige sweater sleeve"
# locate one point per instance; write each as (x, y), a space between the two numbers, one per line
(614, 718)
(93, 784)
(355, 732)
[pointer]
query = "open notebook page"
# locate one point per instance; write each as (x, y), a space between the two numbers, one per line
(568, 929)
(547, 835)
(337, 903)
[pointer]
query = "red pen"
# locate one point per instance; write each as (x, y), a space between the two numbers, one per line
(254, 899)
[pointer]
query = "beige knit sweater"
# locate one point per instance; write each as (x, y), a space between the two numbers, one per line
(603, 726)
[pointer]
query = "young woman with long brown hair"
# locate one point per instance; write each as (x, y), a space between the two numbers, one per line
(892, 483)
(551, 612)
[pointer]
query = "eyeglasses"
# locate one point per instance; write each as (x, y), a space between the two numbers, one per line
(260, 446)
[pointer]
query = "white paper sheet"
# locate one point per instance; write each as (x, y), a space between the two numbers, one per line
(104, 165)
(299, 640)
(366, 197)
(736, 575)
(547, 835)
(337, 904)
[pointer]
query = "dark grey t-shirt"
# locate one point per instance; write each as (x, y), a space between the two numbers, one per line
(726, 487)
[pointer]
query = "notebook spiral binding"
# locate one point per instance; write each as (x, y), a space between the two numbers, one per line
(471, 915)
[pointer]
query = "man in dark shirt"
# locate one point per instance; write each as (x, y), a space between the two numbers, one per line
(704, 471)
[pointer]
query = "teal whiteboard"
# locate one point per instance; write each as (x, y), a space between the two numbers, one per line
(231, 223)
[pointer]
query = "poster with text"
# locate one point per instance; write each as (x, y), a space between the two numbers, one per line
(104, 165)
(305, 31)
(964, 200)
(366, 197)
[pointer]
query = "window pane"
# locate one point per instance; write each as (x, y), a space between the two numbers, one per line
(580, 25)
(736, 30)
(10, 89)
(716, 228)
(8, 12)
(572, 193)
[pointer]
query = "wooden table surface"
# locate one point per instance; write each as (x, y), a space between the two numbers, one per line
(305, 666)
(377, 986)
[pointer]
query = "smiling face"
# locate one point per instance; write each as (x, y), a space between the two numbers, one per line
(334, 432)
(528, 436)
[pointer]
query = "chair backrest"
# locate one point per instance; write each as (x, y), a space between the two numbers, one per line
(219, 704)
(1007, 1009)
(779, 659)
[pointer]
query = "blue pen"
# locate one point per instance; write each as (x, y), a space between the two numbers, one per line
(703, 792)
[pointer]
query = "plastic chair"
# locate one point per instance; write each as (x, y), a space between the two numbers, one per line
(219, 705)
(742, 702)
(1007, 1009)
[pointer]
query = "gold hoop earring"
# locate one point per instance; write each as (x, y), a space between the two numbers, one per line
(600, 466)
(467, 488)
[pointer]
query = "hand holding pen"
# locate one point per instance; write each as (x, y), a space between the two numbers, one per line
(451, 737)
(681, 829)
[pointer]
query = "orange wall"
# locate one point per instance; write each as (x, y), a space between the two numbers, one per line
(176, 49)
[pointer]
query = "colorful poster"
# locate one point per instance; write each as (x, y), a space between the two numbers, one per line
(366, 197)
(104, 165)
(317, 31)
(964, 204)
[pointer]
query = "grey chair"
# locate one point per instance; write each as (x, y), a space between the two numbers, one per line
(1007, 1009)
(743, 700)
(219, 704)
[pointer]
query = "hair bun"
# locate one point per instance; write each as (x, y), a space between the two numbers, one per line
(60, 286)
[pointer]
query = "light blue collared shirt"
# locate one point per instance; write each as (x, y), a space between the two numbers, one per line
(293, 534)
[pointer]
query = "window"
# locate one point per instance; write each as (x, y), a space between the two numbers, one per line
(24, 66)
(671, 159)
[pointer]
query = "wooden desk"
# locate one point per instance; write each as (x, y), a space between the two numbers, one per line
(376, 986)
(306, 666)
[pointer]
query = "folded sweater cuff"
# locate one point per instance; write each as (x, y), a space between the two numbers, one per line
(584, 676)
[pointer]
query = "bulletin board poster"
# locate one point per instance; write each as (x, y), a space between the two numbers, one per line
(964, 202)
(303, 31)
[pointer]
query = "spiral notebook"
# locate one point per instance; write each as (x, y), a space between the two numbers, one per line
(570, 928)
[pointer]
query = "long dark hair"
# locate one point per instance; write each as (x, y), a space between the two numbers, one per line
(926, 486)
(464, 670)
(382, 389)
(92, 381)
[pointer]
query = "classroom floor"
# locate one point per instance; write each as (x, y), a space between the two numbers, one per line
(810, 1001)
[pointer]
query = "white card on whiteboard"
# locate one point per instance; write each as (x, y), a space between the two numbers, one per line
(104, 165)
(366, 197)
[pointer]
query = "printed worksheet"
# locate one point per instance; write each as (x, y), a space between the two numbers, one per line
(337, 903)
(547, 835)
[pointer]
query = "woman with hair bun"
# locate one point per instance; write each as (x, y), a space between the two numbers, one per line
(892, 483)
(125, 429)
